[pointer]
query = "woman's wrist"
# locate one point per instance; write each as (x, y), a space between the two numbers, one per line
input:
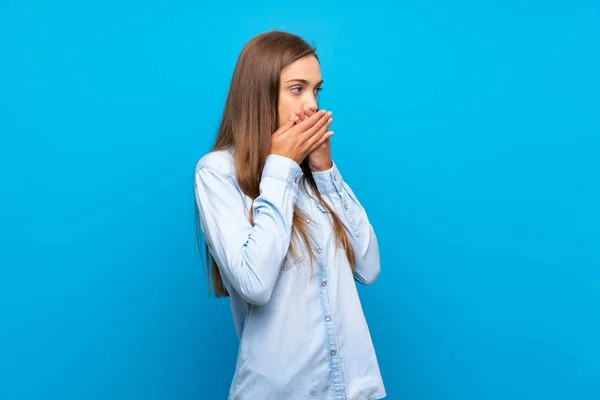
(321, 167)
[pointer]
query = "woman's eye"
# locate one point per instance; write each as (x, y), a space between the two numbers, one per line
(297, 90)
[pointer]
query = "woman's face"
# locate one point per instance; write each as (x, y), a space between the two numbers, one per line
(299, 85)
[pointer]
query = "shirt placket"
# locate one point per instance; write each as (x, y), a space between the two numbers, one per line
(336, 373)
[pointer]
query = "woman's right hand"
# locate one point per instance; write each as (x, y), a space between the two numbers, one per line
(297, 141)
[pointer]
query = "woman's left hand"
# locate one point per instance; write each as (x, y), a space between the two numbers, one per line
(320, 158)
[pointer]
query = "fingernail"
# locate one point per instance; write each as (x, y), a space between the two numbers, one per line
(329, 113)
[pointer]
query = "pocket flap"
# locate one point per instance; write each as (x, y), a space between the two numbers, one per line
(320, 207)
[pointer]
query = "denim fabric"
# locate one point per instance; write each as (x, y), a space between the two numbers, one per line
(302, 330)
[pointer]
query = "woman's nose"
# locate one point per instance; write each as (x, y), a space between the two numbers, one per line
(312, 104)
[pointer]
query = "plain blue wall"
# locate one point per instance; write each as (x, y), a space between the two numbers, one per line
(470, 133)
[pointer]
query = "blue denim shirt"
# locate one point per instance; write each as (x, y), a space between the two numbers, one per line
(302, 335)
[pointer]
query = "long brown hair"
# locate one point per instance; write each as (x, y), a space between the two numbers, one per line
(248, 121)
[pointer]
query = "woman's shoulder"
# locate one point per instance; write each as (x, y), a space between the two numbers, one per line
(217, 160)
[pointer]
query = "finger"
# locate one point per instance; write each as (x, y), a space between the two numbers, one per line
(301, 115)
(287, 125)
(322, 140)
(308, 123)
(318, 135)
(284, 128)
(324, 121)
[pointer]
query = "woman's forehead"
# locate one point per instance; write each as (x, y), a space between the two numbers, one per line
(307, 68)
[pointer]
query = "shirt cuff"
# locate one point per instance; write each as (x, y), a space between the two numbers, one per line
(284, 169)
(328, 181)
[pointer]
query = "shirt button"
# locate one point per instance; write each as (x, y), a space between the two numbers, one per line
(296, 180)
(346, 206)
(319, 250)
(324, 283)
(328, 319)
(335, 178)
(333, 353)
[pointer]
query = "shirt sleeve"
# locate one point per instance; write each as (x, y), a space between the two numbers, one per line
(249, 257)
(342, 199)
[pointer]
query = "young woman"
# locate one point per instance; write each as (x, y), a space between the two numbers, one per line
(287, 235)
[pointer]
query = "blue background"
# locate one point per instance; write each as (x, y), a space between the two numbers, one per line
(469, 131)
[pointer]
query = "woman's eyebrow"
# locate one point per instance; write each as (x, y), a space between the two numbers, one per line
(305, 81)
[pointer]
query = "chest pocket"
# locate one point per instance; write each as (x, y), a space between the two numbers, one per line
(320, 207)
(292, 261)
(326, 212)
